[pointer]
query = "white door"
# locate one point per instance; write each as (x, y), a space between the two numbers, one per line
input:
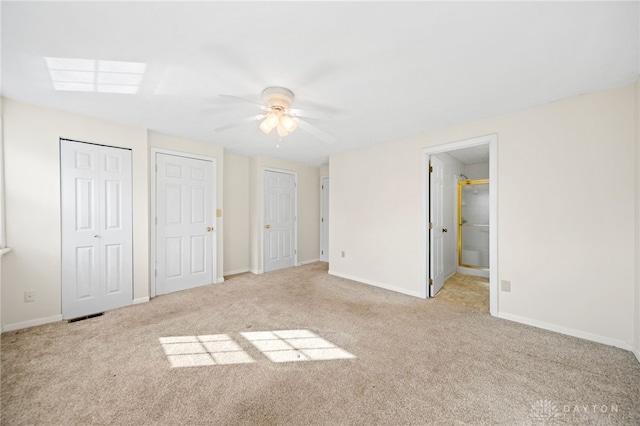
(96, 207)
(279, 220)
(324, 220)
(436, 228)
(185, 233)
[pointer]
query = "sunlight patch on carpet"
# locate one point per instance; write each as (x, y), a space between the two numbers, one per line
(198, 351)
(295, 345)
(277, 346)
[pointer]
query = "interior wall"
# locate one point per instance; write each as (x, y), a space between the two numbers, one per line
(452, 168)
(567, 273)
(32, 184)
(172, 143)
(308, 209)
(237, 218)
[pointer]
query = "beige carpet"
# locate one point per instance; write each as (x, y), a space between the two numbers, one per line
(416, 362)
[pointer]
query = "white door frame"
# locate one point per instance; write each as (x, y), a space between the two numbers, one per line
(492, 141)
(262, 224)
(153, 216)
(322, 223)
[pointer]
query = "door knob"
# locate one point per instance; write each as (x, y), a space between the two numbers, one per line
(96, 236)
(267, 226)
(444, 230)
(209, 229)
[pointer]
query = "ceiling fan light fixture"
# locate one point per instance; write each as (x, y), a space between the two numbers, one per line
(282, 131)
(272, 119)
(264, 126)
(288, 123)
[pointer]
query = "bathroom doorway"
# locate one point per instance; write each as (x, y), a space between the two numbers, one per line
(471, 249)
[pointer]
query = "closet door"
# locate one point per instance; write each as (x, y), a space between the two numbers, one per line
(96, 210)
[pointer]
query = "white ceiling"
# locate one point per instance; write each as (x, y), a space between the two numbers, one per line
(471, 155)
(383, 70)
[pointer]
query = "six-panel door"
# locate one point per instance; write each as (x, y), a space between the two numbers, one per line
(185, 223)
(279, 219)
(96, 210)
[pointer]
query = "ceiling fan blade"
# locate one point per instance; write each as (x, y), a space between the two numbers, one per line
(238, 98)
(240, 122)
(314, 131)
(297, 112)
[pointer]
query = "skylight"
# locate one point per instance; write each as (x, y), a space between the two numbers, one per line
(92, 75)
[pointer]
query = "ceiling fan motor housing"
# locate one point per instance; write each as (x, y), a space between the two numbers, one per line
(277, 97)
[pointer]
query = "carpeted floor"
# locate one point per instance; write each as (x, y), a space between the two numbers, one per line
(415, 362)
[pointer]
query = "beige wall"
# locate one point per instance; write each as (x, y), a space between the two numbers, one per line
(32, 172)
(236, 223)
(308, 209)
(171, 143)
(565, 206)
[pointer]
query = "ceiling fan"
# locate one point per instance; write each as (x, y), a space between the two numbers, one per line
(279, 116)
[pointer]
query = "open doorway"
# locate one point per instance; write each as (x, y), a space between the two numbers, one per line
(446, 260)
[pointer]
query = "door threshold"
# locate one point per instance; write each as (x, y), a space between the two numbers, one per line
(85, 317)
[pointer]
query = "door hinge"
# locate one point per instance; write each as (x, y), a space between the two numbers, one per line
(430, 225)
(321, 251)
(322, 220)
(430, 281)
(430, 169)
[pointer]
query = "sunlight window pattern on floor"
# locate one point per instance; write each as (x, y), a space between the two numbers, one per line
(295, 345)
(276, 346)
(197, 351)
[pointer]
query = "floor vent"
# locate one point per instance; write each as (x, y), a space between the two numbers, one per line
(86, 317)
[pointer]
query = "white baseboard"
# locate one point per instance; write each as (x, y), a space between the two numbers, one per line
(256, 271)
(141, 300)
(376, 284)
(569, 331)
(236, 271)
(220, 280)
(306, 262)
(475, 272)
(31, 323)
(636, 352)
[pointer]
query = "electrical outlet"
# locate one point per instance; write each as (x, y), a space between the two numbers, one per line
(505, 285)
(29, 296)
(342, 253)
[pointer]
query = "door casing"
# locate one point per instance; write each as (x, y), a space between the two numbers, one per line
(325, 189)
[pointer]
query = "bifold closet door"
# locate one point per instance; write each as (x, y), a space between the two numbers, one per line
(97, 229)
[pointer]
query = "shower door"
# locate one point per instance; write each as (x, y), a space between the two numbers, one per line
(473, 224)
